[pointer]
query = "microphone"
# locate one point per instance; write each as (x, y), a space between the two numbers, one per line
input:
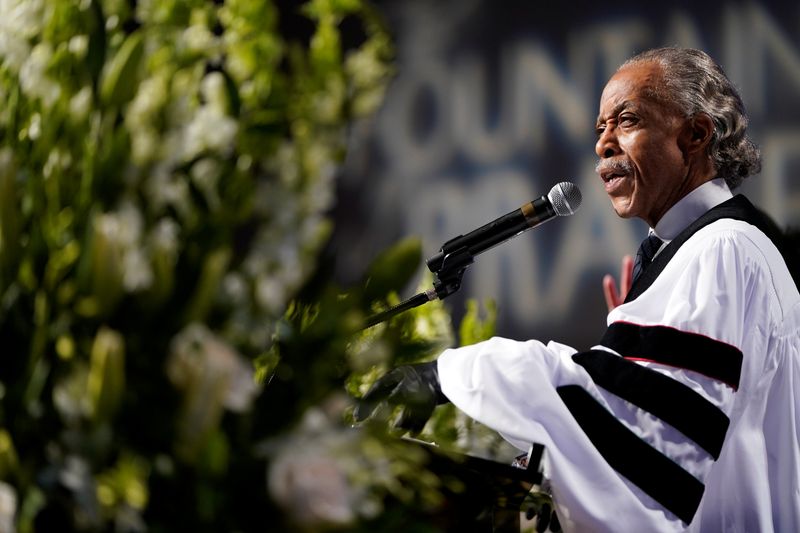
(562, 200)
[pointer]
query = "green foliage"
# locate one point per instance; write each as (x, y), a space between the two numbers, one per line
(165, 171)
(473, 329)
(392, 269)
(166, 167)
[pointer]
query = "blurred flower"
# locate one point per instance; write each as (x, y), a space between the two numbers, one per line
(74, 475)
(307, 475)
(164, 236)
(234, 289)
(122, 231)
(8, 507)
(326, 476)
(198, 39)
(21, 21)
(33, 76)
(210, 129)
(69, 395)
(78, 45)
(34, 127)
(80, 103)
(312, 488)
(167, 192)
(213, 377)
(205, 175)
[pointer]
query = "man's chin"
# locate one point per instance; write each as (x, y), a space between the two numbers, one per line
(622, 208)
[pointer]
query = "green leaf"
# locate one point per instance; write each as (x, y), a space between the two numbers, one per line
(473, 328)
(121, 77)
(392, 269)
(215, 265)
(326, 47)
(96, 53)
(106, 380)
(10, 217)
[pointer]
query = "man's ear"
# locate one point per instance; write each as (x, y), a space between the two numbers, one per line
(698, 133)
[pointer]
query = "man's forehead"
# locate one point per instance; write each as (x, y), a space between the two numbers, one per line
(630, 84)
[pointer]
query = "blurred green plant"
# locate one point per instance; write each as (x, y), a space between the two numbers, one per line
(166, 167)
(174, 353)
(328, 474)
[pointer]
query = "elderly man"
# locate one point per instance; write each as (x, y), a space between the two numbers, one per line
(686, 413)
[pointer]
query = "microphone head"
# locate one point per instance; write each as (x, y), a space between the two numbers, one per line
(565, 197)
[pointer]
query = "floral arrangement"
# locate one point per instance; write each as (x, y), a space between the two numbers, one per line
(174, 356)
(166, 167)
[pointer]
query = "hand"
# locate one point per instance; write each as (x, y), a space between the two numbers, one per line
(614, 298)
(414, 387)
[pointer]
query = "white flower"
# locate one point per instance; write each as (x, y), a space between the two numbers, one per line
(21, 20)
(75, 474)
(124, 228)
(271, 294)
(201, 363)
(212, 87)
(308, 478)
(205, 174)
(234, 288)
(80, 103)
(136, 271)
(78, 45)
(165, 190)
(165, 235)
(33, 77)
(130, 225)
(23, 17)
(35, 127)
(199, 39)
(312, 488)
(209, 130)
(13, 51)
(8, 507)
(112, 22)
(56, 159)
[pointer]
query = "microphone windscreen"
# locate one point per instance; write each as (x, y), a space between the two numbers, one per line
(565, 197)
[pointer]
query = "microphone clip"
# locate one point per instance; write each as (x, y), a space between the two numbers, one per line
(448, 267)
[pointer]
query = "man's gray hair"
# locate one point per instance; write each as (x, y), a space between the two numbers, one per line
(694, 83)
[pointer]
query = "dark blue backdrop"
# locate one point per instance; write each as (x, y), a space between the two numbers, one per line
(494, 102)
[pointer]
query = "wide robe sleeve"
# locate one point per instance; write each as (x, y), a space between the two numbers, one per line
(644, 431)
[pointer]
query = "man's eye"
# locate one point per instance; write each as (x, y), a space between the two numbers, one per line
(599, 130)
(627, 119)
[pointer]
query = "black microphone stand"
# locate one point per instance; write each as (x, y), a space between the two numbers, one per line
(448, 268)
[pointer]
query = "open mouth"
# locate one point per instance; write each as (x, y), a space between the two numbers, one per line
(613, 171)
(612, 177)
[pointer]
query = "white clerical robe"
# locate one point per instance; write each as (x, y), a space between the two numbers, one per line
(685, 417)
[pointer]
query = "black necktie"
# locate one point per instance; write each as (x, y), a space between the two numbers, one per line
(647, 251)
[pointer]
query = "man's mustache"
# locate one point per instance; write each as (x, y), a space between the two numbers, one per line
(622, 166)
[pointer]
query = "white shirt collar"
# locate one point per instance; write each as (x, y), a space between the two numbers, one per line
(691, 207)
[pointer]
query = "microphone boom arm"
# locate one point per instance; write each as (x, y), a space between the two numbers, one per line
(450, 263)
(447, 281)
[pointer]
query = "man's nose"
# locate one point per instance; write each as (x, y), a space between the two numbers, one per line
(607, 145)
